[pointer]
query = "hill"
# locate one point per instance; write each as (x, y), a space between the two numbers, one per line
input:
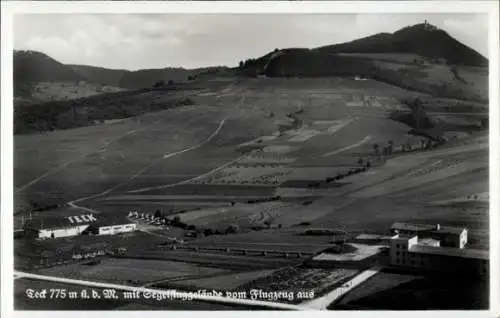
(422, 39)
(148, 77)
(99, 75)
(39, 78)
(32, 67)
(405, 59)
(93, 109)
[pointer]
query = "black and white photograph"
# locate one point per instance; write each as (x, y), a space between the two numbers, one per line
(180, 161)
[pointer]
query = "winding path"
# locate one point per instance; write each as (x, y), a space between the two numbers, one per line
(359, 143)
(165, 156)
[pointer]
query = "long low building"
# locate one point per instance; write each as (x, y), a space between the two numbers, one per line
(85, 224)
(110, 228)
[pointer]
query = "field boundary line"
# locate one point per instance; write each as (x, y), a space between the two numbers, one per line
(359, 143)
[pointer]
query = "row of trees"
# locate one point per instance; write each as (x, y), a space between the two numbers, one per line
(162, 83)
(253, 62)
(193, 229)
(364, 166)
(87, 111)
(386, 150)
(424, 144)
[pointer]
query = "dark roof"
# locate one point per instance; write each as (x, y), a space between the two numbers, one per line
(64, 222)
(111, 222)
(430, 228)
(450, 251)
(405, 236)
(113, 219)
(52, 223)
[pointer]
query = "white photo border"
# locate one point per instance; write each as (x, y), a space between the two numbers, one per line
(11, 8)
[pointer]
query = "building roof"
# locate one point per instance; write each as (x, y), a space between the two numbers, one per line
(428, 241)
(52, 223)
(71, 221)
(450, 251)
(430, 228)
(111, 220)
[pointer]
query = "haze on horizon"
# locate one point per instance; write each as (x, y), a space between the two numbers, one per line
(135, 41)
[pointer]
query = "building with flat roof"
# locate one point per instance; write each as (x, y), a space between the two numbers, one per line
(111, 227)
(449, 236)
(411, 252)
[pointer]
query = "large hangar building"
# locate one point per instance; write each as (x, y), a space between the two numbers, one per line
(85, 224)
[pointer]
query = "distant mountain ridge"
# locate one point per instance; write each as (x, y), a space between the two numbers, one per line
(422, 39)
(148, 77)
(421, 58)
(34, 67)
(99, 75)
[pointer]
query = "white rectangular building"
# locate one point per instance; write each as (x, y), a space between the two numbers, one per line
(408, 251)
(116, 229)
(47, 228)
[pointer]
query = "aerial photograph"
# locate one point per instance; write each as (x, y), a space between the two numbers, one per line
(251, 161)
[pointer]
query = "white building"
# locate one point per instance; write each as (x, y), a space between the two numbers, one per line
(116, 229)
(449, 236)
(427, 254)
(47, 228)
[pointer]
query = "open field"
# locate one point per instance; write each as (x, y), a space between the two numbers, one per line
(330, 142)
(224, 282)
(45, 91)
(132, 271)
(103, 151)
(217, 260)
(442, 78)
(403, 58)
(108, 155)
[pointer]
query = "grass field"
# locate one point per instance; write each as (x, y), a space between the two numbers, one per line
(130, 271)
(69, 90)
(223, 282)
(403, 58)
(217, 260)
(61, 91)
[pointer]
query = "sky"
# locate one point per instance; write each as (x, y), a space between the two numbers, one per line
(134, 41)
